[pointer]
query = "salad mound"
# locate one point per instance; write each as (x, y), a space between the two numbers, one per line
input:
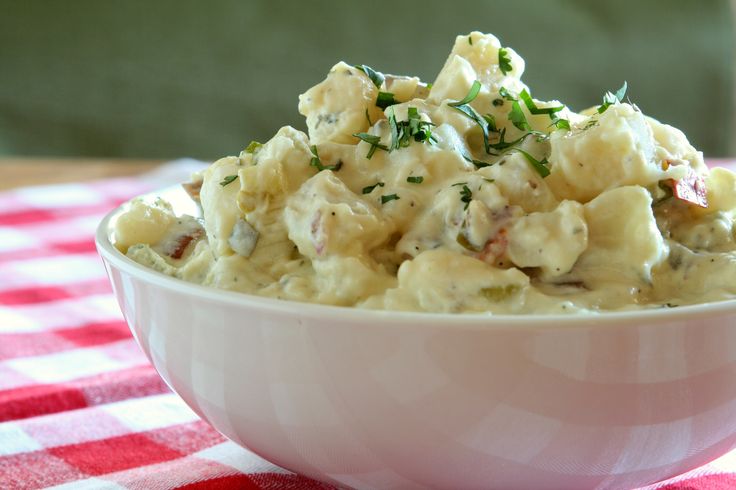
(462, 195)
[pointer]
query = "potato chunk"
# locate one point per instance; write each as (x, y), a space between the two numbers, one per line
(337, 107)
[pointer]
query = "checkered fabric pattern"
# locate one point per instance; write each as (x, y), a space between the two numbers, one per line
(80, 405)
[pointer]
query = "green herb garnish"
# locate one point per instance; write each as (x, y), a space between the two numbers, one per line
(316, 162)
(385, 99)
(517, 117)
(532, 106)
(561, 124)
(504, 60)
(390, 197)
(503, 144)
(373, 140)
(464, 107)
(228, 179)
(539, 165)
(418, 129)
(609, 99)
(415, 179)
(466, 195)
(497, 102)
(369, 188)
(472, 94)
(402, 132)
(376, 76)
(477, 163)
(506, 94)
(590, 124)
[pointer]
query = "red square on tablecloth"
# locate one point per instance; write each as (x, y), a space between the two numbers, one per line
(36, 469)
(115, 454)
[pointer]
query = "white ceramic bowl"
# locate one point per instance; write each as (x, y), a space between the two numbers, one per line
(373, 399)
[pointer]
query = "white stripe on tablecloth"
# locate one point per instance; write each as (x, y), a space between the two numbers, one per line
(152, 412)
(64, 313)
(59, 196)
(230, 454)
(78, 363)
(94, 423)
(51, 271)
(14, 440)
(88, 484)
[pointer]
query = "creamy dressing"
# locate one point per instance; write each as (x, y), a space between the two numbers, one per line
(501, 204)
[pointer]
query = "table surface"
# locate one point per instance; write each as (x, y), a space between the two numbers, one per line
(19, 172)
(107, 418)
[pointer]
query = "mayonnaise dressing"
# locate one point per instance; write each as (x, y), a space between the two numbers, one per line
(465, 195)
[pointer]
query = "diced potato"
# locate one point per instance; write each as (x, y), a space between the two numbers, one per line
(552, 241)
(445, 281)
(337, 107)
(220, 203)
(143, 223)
(617, 151)
(623, 240)
(326, 218)
(521, 184)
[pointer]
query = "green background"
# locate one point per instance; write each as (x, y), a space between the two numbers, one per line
(187, 78)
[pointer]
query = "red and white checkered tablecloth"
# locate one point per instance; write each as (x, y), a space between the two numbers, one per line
(80, 405)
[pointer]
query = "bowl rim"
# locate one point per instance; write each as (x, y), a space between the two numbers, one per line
(112, 256)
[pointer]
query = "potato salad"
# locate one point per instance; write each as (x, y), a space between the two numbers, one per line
(462, 195)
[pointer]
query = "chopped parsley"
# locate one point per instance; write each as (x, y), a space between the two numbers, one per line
(464, 107)
(560, 123)
(503, 144)
(532, 106)
(373, 140)
(368, 118)
(539, 165)
(466, 195)
(369, 188)
(228, 179)
(316, 162)
(477, 163)
(402, 132)
(609, 99)
(590, 124)
(504, 60)
(376, 76)
(385, 99)
(253, 146)
(470, 40)
(506, 94)
(517, 117)
(497, 102)
(472, 94)
(389, 197)
(415, 179)
(418, 129)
